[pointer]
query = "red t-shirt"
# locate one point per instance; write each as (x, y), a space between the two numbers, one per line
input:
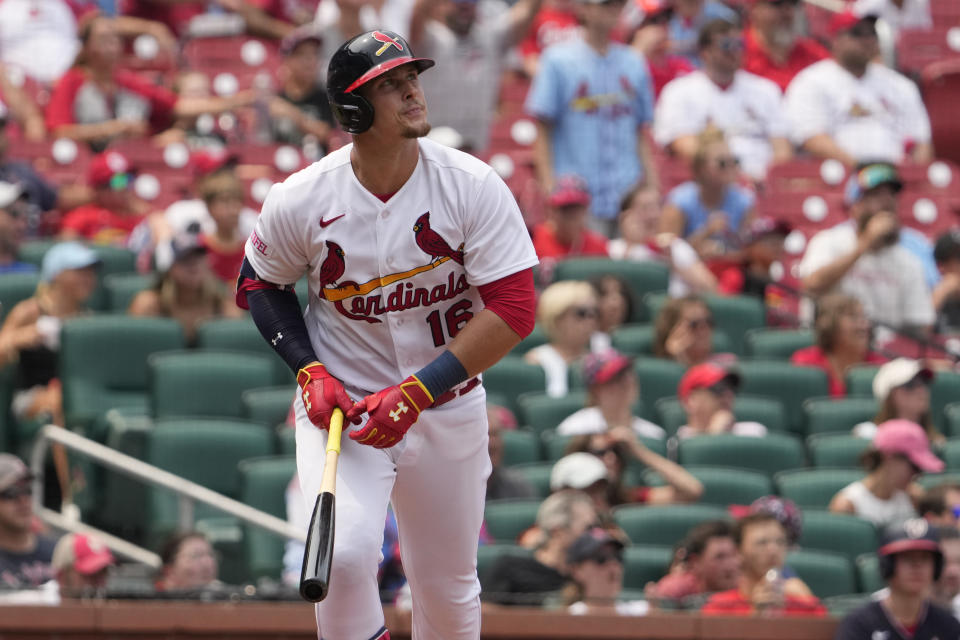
(547, 246)
(815, 357)
(99, 225)
(667, 69)
(549, 26)
(224, 264)
(804, 53)
(60, 110)
(733, 603)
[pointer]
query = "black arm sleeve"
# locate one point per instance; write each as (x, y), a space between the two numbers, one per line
(278, 316)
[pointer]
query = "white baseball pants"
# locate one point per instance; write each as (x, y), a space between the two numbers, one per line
(436, 480)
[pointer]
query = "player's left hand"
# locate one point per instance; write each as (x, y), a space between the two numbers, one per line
(392, 412)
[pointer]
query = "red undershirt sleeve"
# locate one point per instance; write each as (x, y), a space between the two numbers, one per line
(513, 299)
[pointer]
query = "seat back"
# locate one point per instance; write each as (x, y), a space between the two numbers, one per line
(241, 334)
(540, 412)
(507, 519)
(520, 446)
(205, 383)
(103, 361)
(836, 450)
(826, 573)
(642, 277)
(263, 485)
(776, 344)
(644, 564)
(15, 288)
(663, 525)
(538, 475)
(723, 486)
(658, 378)
(122, 288)
(790, 384)
(837, 532)
(837, 415)
(512, 377)
(268, 405)
(814, 488)
(770, 454)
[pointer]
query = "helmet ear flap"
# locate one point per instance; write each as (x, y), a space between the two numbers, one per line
(353, 112)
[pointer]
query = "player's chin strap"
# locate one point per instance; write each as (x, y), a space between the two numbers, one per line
(276, 312)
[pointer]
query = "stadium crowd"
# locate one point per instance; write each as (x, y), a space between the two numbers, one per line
(742, 394)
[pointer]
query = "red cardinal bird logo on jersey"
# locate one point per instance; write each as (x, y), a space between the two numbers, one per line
(333, 265)
(431, 243)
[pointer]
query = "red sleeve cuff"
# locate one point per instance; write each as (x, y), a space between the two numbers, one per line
(513, 299)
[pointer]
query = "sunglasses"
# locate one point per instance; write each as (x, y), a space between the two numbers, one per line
(700, 323)
(863, 31)
(15, 492)
(730, 45)
(727, 163)
(583, 313)
(722, 387)
(602, 452)
(605, 556)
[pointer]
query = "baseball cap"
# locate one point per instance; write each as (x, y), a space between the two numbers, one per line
(703, 376)
(9, 193)
(110, 168)
(907, 438)
(207, 161)
(947, 246)
(66, 255)
(914, 534)
(846, 20)
(603, 366)
(84, 553)
(590, 543)
(870, 177)
(305, 33)
(12, 471)
(764, 226)
(186, 245)
(896, 373)
(569, 190)
(577, 471)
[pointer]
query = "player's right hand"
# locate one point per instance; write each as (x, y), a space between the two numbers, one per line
(321, 394)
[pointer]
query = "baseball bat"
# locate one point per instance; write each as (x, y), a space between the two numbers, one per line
(318, 555)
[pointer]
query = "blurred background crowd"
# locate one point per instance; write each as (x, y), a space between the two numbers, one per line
(743, 381)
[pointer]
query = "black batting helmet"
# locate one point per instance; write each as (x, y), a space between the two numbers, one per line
(915, 534)
(358, 61)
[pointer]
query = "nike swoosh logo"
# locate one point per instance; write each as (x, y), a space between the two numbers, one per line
(324, 223)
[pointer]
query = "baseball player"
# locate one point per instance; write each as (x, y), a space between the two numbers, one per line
(419, 269)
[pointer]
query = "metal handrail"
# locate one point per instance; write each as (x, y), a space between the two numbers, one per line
(188, 492)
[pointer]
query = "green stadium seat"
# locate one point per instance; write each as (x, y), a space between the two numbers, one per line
(776, 344)
(507, 519)
(103, 362)
(555, 446)
(122, 500)
(769, 454)
(637, 340)
(520, 446)
(826, 573)
(286, 441)
(205, 451)
(663, 525)
(860, 380)
(837, 532)
(122, 288)
(951, 454)
(263, 485)
(241, 334)
(723, 486)
(931, 480)
(536, 338)
(643, 277)
(205, 383)
(540, 412)
(538, 475)
(8, 379)
(837, 415)
(868, 573)
(658, 378)
(32, 251)
(781, 380)
(735, 315)
(951, 419)
(814, 488)
(836, 450)
(512, 377)
(114, 260)
(643, 564)
(767, 411)
(15, 288)
(268, 405)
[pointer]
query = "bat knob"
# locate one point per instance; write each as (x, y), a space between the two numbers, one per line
(313, 590)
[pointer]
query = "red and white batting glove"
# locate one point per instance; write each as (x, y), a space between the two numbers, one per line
(321, 394)
(392, 412)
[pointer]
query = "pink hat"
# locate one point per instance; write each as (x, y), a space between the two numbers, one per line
(604, 366)
(907, 438)
(84, 553)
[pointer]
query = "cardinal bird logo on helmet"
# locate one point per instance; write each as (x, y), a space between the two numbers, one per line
(387, 43)
(432, 243)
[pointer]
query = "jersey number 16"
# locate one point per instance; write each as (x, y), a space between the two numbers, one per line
(454, 318)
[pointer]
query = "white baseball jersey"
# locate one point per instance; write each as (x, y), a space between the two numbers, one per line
(749, 112)
(391, 284)
(872, 118)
